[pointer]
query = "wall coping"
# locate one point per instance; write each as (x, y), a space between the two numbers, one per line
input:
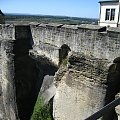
(7, 25)
(64, 26)
(112, 29)
(90, 26)
(74, 27)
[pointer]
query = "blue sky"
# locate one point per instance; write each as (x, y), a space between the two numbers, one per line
(75, 8)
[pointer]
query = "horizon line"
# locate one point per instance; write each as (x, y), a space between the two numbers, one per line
(49, 15)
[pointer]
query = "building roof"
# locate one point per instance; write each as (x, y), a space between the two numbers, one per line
(1, 13)
(108, 1)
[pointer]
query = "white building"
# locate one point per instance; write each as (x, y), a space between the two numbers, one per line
(110, 13)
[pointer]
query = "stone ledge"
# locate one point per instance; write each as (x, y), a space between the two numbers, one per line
(92, 27)
(54, 25)
(75, 27)
(112, 29)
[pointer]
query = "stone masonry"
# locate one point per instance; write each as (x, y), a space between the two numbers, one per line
(8, 109)
(97, 47)
(81, 89)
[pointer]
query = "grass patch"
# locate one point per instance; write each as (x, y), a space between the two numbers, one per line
(41, 111)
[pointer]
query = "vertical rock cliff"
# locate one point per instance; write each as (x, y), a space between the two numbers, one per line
(30, 70)
(80, 88)
(8, 109)
(84, 82)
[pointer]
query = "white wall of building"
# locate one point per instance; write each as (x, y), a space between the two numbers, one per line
(103, 8)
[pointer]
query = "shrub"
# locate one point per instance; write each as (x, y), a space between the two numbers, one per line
(41, 111)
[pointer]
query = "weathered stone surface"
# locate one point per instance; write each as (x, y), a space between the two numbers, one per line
(90, 26)
(112, 29)
(88, 39)
(30, 70)
(77, 98)
(45, 49)
(7, 32)
(80, 88)
(118, 107)
(98, 49)
(48, 88)
(8, 109)
(90, 67)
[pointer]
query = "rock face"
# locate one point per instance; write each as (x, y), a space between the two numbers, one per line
(48, 89)
(77, 98)
(8, 109)
(21, 74)
(118, 108)
(29, 71)
(97, 46)
(81, 91)
(81, 83)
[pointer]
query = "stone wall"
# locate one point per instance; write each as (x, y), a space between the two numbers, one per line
(51, 52)
(81, 90)
(86, 39)
(7, 86)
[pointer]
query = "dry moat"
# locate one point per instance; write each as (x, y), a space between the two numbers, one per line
(84, 61)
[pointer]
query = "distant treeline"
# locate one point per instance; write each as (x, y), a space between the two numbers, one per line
(51, 19)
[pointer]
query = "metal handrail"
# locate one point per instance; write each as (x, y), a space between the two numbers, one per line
(104, 110)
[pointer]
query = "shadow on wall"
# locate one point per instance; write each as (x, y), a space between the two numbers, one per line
(113, 83)
(25, 72)
(29, 72)
(63, 52)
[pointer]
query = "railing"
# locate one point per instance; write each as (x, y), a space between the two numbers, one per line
(104, 110)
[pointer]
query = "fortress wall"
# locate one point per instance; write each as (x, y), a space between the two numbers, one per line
(7, 32)
(7, 88)
(84, 39)
(113, 46)
(48, 51)
(43, 44)
(107, 45)
(97, 49)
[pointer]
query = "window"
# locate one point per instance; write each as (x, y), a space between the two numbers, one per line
(110, 14)
(112, 17)
(107, 14)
